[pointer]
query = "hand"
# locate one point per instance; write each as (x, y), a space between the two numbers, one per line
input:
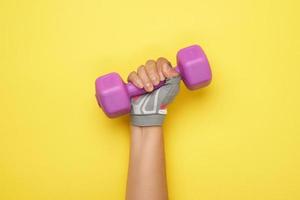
(149, 75)
(150, 109)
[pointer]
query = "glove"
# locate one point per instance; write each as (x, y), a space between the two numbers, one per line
(150, 109)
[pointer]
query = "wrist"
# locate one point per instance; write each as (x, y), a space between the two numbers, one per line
(146, 130)
(147, 120)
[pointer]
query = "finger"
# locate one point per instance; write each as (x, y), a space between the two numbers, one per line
(145, 79)
(159, 63)
(168, 71)
(152, 72)
(135, 79)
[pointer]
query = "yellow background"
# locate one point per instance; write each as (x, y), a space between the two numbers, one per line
(237, 139)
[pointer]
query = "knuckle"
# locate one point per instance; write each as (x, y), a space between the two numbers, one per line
(162, 60)
(151, 69)
(150, 63)
(132, 74)
(140, 69)
(162, 63)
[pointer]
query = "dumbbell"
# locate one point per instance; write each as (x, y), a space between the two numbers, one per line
(113, 95)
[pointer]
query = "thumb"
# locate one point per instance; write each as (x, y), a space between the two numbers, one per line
(168, 71)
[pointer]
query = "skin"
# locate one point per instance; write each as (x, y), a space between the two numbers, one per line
(146, 173)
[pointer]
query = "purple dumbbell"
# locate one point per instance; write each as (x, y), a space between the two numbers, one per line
(113, 95)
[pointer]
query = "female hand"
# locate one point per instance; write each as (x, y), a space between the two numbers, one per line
(149, 75)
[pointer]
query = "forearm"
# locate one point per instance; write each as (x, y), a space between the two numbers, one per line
(146, 175)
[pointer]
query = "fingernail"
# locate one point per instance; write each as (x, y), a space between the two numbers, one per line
(149, 87)
(155, 80)
(139, 84)
(161, 76)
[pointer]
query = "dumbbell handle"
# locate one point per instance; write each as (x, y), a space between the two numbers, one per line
(135, 91)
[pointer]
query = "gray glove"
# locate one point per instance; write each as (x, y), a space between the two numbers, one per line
(150, 109)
